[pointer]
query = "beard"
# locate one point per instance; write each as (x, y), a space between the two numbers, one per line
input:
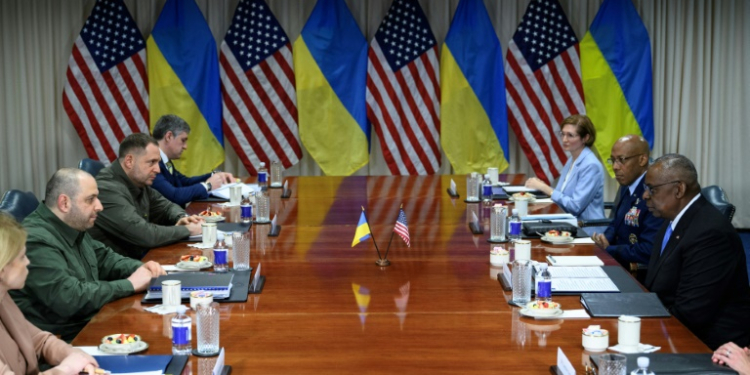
(79, 220)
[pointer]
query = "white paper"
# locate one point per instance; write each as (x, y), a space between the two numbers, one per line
(583, 241)
(286, 186)
(574, 260)
(474, 217)
(584, 285)
(219, 367)
(223, 191)
(576, 272)
(543, 200)
(507, 274)
(155, 372)
(642, 348)
(575, 314)
(256, 278)
(453, 186)
(510, 189)
(563, 364)
(273, 223)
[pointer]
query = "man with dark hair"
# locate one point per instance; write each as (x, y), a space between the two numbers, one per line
(136, 217)
(71, 275)
(697, 265)
(629, 238)
(171, 132)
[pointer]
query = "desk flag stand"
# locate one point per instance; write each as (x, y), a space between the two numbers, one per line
(362, 233)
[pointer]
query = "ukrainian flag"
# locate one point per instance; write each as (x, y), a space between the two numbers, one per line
(616, 73)
(330, 65)
(473, 112)
(183, 78)
(363, 230)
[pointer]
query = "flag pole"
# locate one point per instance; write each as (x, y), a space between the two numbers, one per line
(372, 236)
(392, 232)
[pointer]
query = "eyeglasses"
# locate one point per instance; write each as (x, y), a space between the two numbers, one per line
(651, 190)
(569, 135)
(621, 160)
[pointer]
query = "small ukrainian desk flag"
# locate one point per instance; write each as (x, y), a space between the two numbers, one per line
(183, 78)
(330, 65)
(474, 115)
(617, 77)
(363, 230)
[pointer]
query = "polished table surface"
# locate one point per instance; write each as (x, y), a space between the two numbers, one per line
(438, 308)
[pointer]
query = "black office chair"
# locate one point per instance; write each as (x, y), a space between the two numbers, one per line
(90, 165)
(718, 198)
(18, 203)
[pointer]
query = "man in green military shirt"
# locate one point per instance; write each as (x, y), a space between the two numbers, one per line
(71, 275)
(136, 217)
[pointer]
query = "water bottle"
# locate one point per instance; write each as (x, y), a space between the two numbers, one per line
(543, 284)
(246, 211)
(221, 263)
(262, 175)
(514, 226)
(521, 275)
(643, 363)
(487, 191)
(181, 328)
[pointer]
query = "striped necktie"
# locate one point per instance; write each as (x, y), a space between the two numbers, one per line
(666, 238)
(170, 167)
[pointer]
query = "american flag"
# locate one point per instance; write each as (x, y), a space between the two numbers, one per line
(106, 92)
(258, 89)
(543, 75)
(403, 92)
(401, 227)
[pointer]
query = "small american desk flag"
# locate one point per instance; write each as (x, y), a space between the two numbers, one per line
(401, 227)
(403, 93)
(543, 84)
(106, 93)
(258, 88)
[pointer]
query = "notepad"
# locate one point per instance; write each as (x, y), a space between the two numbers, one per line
(223, 191)
(134, 364)
(610, 305)
(574, 261)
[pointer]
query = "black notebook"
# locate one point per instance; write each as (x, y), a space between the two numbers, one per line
(612, 305)
(669, 363)
(192, 281)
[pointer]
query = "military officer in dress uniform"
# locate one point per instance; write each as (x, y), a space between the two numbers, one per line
(629, 237)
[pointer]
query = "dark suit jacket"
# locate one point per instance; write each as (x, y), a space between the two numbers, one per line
(702, 277)
(631, 240)
(179, 188)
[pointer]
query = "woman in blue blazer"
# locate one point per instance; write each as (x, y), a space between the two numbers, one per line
(580, 189)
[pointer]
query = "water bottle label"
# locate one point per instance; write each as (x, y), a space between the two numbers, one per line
(220, 256)
(246, 210)
(544, 289)
(487, 190)
(180, 335)
(262, 177)
(515, 228)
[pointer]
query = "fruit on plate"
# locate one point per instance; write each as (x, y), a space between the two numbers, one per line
(557, 233)
(193, 258)
(209, 213)
(121, 339)
(543, 305)
(523, 195)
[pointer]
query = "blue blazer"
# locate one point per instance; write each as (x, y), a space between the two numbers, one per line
(631, 233)
(583, 196)
(179, 188)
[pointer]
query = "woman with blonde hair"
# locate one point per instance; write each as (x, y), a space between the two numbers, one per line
(22, 345)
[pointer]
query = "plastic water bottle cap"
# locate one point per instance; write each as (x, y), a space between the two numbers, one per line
(643, 362)
(515, 211)
(219, 236)
(262, 164)
(181, 309)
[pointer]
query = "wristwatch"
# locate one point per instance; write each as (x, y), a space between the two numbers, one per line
(208, 185)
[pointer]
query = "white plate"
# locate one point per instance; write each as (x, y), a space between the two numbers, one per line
(531, 200)
(557, 240)
(193, 265)
(213, 219)
(134, 347)
(533, 313)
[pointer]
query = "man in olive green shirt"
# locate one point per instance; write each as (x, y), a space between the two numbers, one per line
(136, 217)
(71, 276)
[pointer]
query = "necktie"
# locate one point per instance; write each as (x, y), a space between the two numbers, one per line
(170, 167)
(666, 238)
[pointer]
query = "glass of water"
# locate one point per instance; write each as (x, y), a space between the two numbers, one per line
(276, 169)
(263, 204)
(208, 328)
(472, 187)
(612, 364)
(241, 251)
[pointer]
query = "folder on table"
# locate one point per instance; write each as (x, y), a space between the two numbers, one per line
(127, 364)
(612, 305)
(220, 284)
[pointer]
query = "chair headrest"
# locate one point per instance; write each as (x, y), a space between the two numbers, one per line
(91, 166)
(18, 203)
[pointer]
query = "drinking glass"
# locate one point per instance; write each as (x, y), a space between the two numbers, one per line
(276, 169)
(472, 187)
(208, 328)
(235, 195)
(612, 364)
(497, 223)
(264, 207)
(241, 251)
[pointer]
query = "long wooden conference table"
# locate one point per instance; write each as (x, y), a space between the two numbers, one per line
(327, 308)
